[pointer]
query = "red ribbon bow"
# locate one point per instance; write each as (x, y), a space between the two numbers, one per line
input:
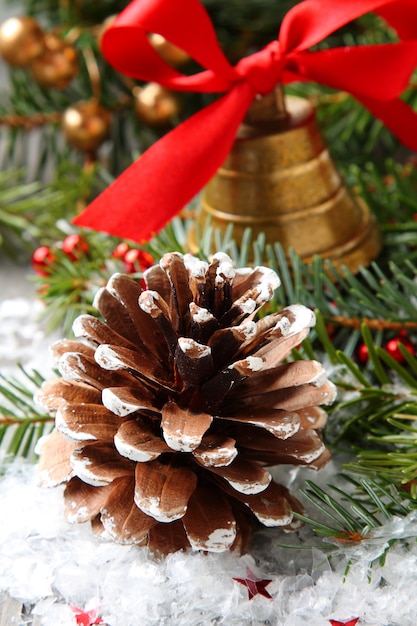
(168, 175)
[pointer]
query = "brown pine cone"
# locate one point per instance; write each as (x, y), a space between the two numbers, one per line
(168, 412)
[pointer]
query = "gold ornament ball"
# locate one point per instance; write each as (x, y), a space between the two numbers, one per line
(86, 125)
(171, 54)
(57, 66)
(155, 105)
(21, 41)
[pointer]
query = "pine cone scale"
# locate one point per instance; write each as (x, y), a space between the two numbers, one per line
(284, 376)
(120, 516)
(180, 295)
(244, 476)
(123, 401)
(135, 440)
(193, 361)
(98, 464)
(166, 538)
(183, 430)
(116, 316)
(84, 502)
(56, 393)
(162, 491)
(74, 366)
(216, 451)
(128, 292)
(139, 364)
(288, 399)
(209, 521)
(97, 332)
(54, 466)
(281, 424)
(272, 507)
(83, 422)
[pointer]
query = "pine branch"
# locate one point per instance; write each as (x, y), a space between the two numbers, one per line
(31, 213)
(373, 424)
(22, 423)
(351, 518)
(356, 524)
(21, 207)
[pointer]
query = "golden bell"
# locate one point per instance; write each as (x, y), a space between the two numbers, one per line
(279, 179)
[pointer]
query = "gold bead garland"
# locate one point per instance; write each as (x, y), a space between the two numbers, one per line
(53, 63)
(51, 60)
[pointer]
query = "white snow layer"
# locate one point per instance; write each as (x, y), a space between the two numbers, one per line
(55, 565)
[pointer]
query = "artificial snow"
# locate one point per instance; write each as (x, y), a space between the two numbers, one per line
(54, 566)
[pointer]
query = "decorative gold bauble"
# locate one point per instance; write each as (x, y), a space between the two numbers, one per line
(171, 54)
(155, 105)
(86, 125)
(279, 179)
(58, 64)
(21, 41)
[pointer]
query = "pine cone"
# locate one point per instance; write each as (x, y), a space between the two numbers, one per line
(168, 412)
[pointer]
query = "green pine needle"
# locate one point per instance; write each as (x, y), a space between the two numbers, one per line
(22, 423)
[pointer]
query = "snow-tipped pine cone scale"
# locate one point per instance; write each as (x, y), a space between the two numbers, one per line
(168, 412)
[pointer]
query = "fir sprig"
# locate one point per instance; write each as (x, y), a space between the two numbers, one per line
(347, 517)
(21, 207)
(22, 422)
(34, 213)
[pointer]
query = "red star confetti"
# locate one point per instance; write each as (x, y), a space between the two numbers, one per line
(351, 622)
(254, 585)
(87, 618)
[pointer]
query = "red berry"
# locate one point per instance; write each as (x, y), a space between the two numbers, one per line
(42, 261)
(74, 246)
(120, 250)
(363, 354)
(146, 260)
(393, 349)
(130, 260)
(137, 260)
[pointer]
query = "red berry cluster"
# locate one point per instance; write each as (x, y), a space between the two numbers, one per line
(391, 346)
(44, 258)
(134, 260)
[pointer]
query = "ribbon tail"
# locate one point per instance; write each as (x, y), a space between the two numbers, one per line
(398, 117)
(146, 196)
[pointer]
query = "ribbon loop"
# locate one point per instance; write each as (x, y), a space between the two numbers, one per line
(184, 23)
